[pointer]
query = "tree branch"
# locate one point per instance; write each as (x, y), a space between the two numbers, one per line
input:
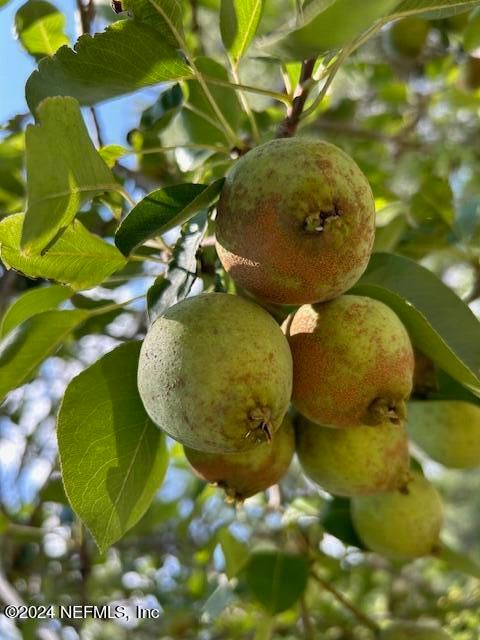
(361, 617)
(289, 126)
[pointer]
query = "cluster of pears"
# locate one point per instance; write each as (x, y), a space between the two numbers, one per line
(295, 226)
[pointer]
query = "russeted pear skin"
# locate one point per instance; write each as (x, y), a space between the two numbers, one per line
(215, 373)
(295, 221)
(413, 631)
(355, 461)
(402, 524)
(244, 474)
(352, 362)
(447, 430)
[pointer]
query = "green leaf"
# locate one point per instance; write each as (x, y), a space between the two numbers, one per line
(336, 519)
(433, 199)
(32, 302)
(40, 28)
(458, 561)
(219, 600)
(25, 348)
(439, 323)
(471, 35)
(327, 25)
(201, 126)
(113, 458)
(64, 170)
(110, 153)
(181, 271)
(78, 258)
(236, 553)
(434, 9)
(162, 210)
(125, 57)
(239, 20)
(276, 579)
(165, 16)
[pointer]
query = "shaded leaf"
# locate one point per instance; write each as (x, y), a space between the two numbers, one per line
(127, 56)
(276, 579)
(78, 258)
(336, 519)
(326, 26)
(434, 8)
(439, 323)
(31, 302)
(64, 170)
(181, 273)
(25, 348)
(219, 600)
(162, 210)
(40, 28)
(239, 21)
(236, 553)
(113, 458)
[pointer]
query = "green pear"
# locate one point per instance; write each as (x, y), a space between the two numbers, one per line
(413, 631)
(215, 373)
(402, 524)
(352, 362)
(295, 221)
(407, 37)
(447, 430)
(246, 473)
(355, 461)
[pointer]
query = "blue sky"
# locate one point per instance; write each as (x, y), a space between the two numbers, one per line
(117, 117)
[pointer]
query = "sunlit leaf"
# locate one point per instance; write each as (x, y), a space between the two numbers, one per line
(78, 258)
(64, 170)
(113, 458)
(40, 27)
(127, 56)
(239, 21)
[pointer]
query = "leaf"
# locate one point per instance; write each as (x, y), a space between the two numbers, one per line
(276, 579)
(336, 519)
(433, 199)
(30, 303)
(181, 272)
(201, 126)
(25, 348)
(439, 323)
(165, 16)
(64, 170)
(434, 9)
(236, 553)
(40, 28)
(162, 210)
(78, 259)
(327, 25)
(110, 153)
(239, 20)
(113, 458)
(219, 600)
(127, 56)
(458, 561)
(471, 35)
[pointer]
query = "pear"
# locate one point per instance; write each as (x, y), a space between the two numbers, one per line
(246, 473)
(402, 524)
(352, 361)
(413, 631)
(354, 461)
(447, 430)
(407, 37)
(215, 373)
(295, 221)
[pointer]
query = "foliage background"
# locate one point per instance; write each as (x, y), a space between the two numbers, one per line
(412, 126)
